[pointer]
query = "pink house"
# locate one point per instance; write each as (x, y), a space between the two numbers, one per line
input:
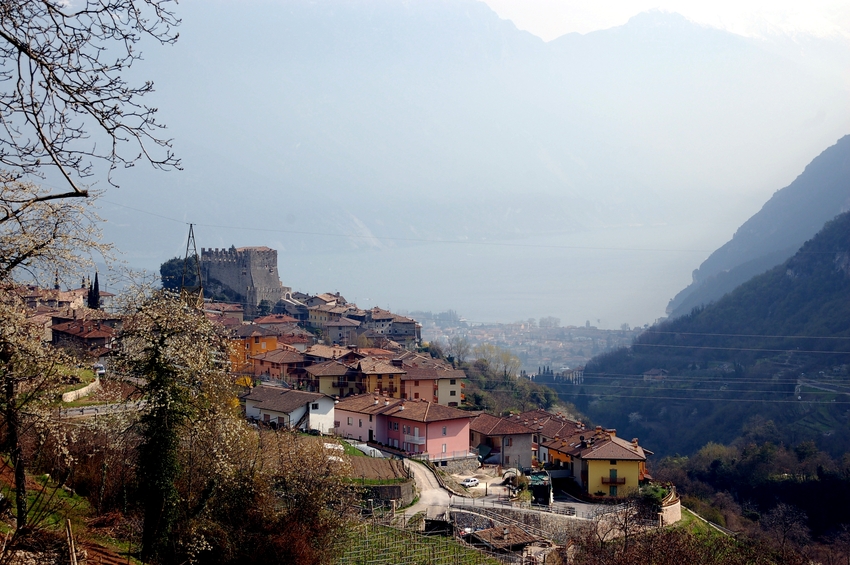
(417, 426)
(413, 426)
(356, 417)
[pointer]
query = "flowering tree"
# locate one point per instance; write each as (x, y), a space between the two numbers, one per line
(178, 354)
(29, 381)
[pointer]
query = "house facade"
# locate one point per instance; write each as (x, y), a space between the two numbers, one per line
(418, 428)
(502, 441)
(287, 408)
(606, 465)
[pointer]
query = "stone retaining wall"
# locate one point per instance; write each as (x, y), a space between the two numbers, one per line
(404, 492)
(81, 392)
(558, 526)
(460, 466)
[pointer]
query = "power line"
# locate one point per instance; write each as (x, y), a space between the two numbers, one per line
(747, 335)
(408, 239)
(707, 347)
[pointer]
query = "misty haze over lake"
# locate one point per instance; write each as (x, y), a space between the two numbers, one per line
(605, 167)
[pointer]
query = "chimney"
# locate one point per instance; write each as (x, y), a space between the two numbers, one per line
(598, 428)
(634, 442)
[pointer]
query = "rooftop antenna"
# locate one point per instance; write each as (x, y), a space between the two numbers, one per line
(192, 294)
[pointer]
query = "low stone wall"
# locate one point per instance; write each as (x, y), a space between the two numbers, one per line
(403, 492)
(81, 392)
(557, 526)
(460, 466)
(671, 508)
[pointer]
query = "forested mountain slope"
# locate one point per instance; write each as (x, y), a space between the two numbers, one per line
(793, 215)
(768, 361)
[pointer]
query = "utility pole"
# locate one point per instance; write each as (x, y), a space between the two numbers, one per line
(192, 295)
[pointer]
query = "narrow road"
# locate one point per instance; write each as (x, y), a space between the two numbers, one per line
(431, 494)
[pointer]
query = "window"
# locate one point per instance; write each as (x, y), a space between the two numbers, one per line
(452, 393)
(315, 406)
(613, 462)
(359, 422)
(415, 383)
(389, 425)
(395, 428)
(415, 395)
(453, 381)
(507, 459)
(509, 441)
(256, 340)
(612, 490)
(263, 345)
(370, 417)
(444, 430)
(444, 448)
(350, 420)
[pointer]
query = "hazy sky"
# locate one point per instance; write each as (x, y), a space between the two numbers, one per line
(549, 19)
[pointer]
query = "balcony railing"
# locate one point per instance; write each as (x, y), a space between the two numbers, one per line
(613, 480)
(415, 440)
(340, 384)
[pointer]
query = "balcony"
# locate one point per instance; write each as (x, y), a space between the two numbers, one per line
(415, 440)
(613, 481)
(340, 384)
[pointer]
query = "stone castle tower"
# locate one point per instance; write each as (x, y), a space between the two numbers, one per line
(248, 272)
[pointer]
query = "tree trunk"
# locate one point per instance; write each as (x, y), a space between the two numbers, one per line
(15, 449)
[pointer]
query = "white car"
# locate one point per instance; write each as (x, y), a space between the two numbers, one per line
(470, 482)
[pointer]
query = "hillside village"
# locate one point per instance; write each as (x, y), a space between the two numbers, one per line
(322, 365)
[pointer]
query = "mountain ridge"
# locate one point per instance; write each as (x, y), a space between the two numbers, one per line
(790, 217)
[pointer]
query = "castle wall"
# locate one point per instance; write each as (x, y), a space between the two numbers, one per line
(250, 272)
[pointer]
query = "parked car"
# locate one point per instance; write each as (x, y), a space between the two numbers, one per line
(470, 482)
(99, 370)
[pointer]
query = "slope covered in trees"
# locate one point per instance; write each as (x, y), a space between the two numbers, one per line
(768, 361)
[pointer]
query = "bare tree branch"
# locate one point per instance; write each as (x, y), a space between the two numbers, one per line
(61, 84)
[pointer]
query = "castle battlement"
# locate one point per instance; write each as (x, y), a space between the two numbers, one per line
(249, 272)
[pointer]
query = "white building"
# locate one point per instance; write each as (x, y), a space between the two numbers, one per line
(283, 407)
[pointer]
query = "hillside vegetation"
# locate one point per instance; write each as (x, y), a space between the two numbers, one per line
(776, 349)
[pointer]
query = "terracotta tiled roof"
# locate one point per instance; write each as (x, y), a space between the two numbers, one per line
(489, 425)
(547, 424)
(281, 400)
(252, 330)
(366, 403)
(344, 322)
(376, 352)
(497, 538)
(223, 320)
(328, 368)
(223, 307)
(282, 356)
(84, 329)
(328, 352)
(377, 366)
(275, 319)
(421, 411)
(603, 445)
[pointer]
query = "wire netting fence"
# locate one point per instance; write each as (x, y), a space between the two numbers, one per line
(374, 544)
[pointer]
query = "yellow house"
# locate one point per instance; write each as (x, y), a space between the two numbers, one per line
(380, 375)
(606, 465)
